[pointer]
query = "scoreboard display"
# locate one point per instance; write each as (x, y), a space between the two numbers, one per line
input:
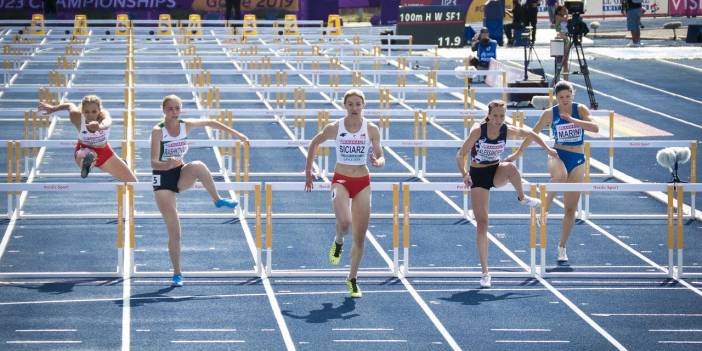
(434, 25)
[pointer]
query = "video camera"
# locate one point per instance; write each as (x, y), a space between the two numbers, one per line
(575, 7)
(576, 27)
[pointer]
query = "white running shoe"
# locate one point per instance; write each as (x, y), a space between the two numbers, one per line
(486, 281)
(562, 254)
(530, 201)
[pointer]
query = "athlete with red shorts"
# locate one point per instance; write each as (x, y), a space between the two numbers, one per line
(357, 141)
(92, 149)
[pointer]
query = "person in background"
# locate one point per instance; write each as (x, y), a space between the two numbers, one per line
(516, 27)
(633, 10)
(486, 48)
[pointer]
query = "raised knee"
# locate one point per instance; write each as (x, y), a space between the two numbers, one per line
(198, 164)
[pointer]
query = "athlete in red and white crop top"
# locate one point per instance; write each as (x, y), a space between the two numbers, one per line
(93, 125)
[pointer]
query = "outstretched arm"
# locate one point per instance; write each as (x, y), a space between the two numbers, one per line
(197, 123)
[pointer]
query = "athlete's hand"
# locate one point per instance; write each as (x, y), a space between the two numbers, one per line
(309, 180)
(244, 139)
(93, 126)
(552, 152)
(377, 162)
(512, 157)
(467, 180)
(173, 162)
(46, 108)
(567, 117)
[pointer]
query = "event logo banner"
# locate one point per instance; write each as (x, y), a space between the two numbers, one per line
(288, 5)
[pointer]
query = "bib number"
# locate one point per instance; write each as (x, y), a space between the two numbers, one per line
(156, 180)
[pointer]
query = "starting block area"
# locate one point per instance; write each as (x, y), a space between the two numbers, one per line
(258, 277)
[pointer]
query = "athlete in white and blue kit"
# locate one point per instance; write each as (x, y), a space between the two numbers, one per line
(486, 144)
(357, 141)
(172, 175)
(568, 121)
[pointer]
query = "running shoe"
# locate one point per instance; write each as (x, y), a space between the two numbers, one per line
(87, 164)
(486, 281)
(562, 254)
(177, 280)
(226, 202)
(354, 290)
(335, 253)
(530, 201)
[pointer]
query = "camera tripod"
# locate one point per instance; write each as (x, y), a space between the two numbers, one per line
(575, 41)
(528, 51)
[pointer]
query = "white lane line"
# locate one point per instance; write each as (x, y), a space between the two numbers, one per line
(680, 65)
(676, 330)
(532, 341)
(679, 342)
(44, 330)
(204, 330)
(521, 330)
(43, 342)
(208, 341)
(363, 329)
(647, 314)
(646, 86)
(370, 340)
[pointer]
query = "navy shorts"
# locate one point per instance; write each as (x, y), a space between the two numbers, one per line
(166, 180)
(482, 177)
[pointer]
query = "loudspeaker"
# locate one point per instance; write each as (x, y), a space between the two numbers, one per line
(525, 97)
(694, 33)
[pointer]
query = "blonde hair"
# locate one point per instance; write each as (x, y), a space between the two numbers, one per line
(171, 98)
(494, 104)
(91, 99)
(354, 92)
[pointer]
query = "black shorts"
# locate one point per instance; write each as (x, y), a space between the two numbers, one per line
(482, 177)
(166, 180)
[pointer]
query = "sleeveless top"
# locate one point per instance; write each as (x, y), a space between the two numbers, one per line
(89, 138)
(487, 151)
(352, 148)
(173, 146)
(567, 133)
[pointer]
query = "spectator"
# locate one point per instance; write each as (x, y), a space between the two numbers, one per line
(552, 6)
(532, 12)
(633, 11)
(486, 48)
(514, 29)
(236, 4)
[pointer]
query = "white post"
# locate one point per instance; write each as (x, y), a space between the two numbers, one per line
(269, 261)
(395, 261)
(542, 269)
(671, 268)
(533, 261)
(680, 263)
(405, 267)
(259, 262)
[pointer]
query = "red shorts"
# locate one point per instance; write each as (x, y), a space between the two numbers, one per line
(353, 185)
(103, 153)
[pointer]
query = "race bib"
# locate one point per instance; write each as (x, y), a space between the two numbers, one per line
(490, 152)
(156, 180)
(568, 133)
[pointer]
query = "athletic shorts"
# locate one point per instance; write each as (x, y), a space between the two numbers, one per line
(353, 185)
(103, 152)
(482, 177)
(633, 19)
(166, 180)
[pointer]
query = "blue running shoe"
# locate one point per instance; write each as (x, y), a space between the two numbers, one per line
(177, 280)
(226, 202)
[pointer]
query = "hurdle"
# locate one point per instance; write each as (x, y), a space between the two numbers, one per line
(119, 189)
(440, 188)
(271, 187)
(674, 207)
